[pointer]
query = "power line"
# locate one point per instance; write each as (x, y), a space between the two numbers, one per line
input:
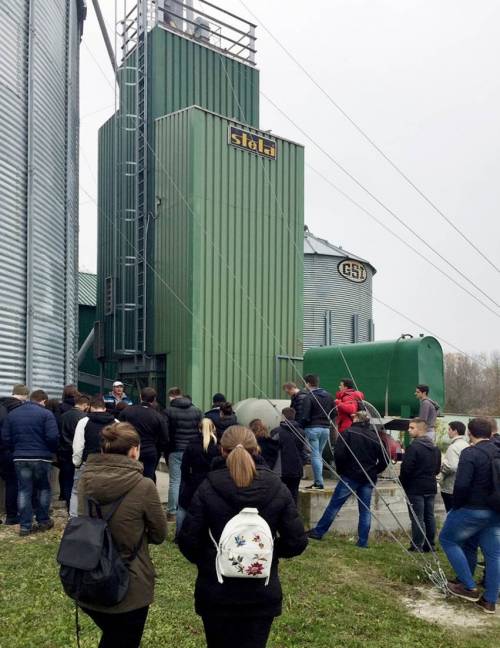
(379, 150)
(400, 238)
(377, 200)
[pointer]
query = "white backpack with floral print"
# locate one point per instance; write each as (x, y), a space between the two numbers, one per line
(245, 548)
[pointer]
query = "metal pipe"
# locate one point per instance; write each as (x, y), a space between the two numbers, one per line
(29, 204)
(104, 33)
(88, 342)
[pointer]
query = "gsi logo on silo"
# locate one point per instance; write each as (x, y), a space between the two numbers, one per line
(352, 270)
(253, 142)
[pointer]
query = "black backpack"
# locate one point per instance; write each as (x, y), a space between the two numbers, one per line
(493, 499)
(92, 571)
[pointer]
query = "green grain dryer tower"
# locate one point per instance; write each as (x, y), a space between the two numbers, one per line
(200, 243)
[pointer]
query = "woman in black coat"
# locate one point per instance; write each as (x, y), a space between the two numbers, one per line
(196, 462)
(240, 611)
(269, 448)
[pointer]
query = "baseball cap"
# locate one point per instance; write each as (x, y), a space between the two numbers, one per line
(118, 383)
(20, 390)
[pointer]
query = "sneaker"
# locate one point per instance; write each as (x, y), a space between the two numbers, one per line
(489, 608)
(429, 548)
(315, 487)
(11, 521)
(24, 532)
(312, 534)
(458, 589)
(415, 549)
(45, 526)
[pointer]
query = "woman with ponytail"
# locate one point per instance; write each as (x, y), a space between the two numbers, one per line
(239, 611)
(114, 478)
(196, 462)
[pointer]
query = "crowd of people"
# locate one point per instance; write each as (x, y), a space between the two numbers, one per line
(107, 450)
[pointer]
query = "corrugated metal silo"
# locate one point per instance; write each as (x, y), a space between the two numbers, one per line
(337, 295)
(39, 49)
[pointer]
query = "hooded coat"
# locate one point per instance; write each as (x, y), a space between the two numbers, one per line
(421, 463)
(183, 423)
(138, 520)
(347, 402)
(221, 423)
(215, 502)
(360, 454)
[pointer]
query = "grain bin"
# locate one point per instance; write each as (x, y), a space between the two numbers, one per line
(39, 50)
(337, 295)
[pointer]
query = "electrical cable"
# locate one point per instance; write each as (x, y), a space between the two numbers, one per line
(365, 135)
(377, 200)
(401, 239)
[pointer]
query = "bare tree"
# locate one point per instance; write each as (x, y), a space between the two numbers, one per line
(472, 384)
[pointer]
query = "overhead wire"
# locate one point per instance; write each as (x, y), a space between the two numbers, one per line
(390, 211)
(371, 141)
(401, 239)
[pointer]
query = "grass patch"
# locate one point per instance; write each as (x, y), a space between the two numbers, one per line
(334, 595)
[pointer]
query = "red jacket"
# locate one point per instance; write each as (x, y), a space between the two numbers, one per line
(347, 404)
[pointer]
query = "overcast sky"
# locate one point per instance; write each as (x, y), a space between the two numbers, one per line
(422, 79)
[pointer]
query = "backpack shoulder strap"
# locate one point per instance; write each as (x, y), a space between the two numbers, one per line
(94, 505)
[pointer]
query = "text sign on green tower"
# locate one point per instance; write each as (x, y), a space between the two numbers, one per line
(253, 142)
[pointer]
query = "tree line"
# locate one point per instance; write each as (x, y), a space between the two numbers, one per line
(472, 384)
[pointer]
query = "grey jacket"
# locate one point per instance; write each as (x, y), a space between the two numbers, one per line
(449, 464)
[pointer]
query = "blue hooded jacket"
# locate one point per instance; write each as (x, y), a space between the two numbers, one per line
(30, 432)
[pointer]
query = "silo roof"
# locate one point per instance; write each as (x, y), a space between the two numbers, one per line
(87, 289)
(322, 247)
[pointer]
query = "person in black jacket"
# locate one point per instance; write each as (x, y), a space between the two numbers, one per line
(222, 416)
(20, 394)
(87, 441)
(293, 456)
(317, 410)
(196, 462)
(183, 426)
(240, 611)
(360, 456)
(152, 427)
(269, 448)
(421, 464)
(472, 520)
(297, 397)
(67, 426)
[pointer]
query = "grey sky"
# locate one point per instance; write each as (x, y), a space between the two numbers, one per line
(422, 79)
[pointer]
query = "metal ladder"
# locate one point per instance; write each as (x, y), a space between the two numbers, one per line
(132, 169)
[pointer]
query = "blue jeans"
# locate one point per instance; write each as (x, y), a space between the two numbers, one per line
(457, 536)
(423, 509)
(174, 475)
(340, 496)
(73, 500)
(33, 484)
(317, 438)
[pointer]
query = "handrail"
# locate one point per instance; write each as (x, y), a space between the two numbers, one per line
(228, 13)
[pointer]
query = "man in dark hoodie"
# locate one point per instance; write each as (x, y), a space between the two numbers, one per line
(87, 440)
(421, 464)
(292, 450)
(151, 426)
(317, 410)
(474, 519)
(67, 426)
(20, 394)
(183, 426)
(360, 456)
(221, 414)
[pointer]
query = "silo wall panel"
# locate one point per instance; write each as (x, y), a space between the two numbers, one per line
(48, 214)
(185, 73)
(242, 218)
(108, 230)
(326, 290)
(173, 260)
(13, 180)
